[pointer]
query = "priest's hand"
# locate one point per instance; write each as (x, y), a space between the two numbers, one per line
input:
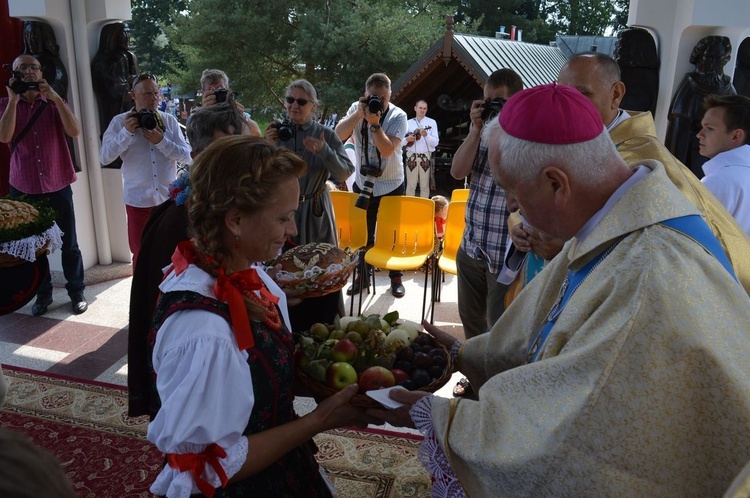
(399, 417)
(440, 336)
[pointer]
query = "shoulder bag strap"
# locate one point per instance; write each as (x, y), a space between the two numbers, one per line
(28, 126)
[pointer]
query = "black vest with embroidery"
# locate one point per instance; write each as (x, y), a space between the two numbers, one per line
(271, 362)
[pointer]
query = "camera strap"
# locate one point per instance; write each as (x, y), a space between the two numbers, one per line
(28, 126)
(366, 140)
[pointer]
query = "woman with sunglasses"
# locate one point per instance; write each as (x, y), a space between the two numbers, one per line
(326, 159)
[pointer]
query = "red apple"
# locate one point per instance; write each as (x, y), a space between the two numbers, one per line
(344, 350)
(340, 374)
(376, 378)
(400, 375)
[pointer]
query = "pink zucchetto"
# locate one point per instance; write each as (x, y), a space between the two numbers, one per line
(551, 114)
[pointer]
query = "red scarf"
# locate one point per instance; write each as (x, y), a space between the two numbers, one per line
(228, 289)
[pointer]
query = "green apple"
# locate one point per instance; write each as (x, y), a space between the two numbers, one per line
(341, 374)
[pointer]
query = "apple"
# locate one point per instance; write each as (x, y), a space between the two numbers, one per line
(400, 375)
(319, 331)
(340, 374)
(344, 350)
(376, 377)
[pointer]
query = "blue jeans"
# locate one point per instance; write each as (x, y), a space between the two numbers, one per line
(72, 262)
(481, 298)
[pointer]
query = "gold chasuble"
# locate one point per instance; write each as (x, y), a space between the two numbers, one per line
(642, 386)
(636, 141)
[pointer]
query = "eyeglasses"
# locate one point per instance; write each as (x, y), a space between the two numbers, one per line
(300, 102)
(142, 77)
(24, 67)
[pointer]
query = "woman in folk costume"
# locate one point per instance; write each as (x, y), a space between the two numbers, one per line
(222, 351)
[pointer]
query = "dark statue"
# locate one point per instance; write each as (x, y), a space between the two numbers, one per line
(39, 40)
(709, 56)
(112, 70)
(742, 69)
(635, 53)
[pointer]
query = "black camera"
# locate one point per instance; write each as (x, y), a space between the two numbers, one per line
(18, 85)
(146, 119)
(221, 95)
(374, 104)
(370, 173)
(492, 108)
(286, 130)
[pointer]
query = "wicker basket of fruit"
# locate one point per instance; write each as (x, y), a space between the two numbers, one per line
(373, 351)
(317, 268)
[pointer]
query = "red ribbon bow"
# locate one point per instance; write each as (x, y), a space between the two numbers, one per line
(227, 291)
(196, 463)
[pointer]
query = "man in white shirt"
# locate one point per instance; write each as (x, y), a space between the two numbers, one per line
(724, 137)
(378, 128)
(150, 144)
(420, 142)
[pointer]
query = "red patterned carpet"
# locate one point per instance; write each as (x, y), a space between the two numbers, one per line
(105, 454)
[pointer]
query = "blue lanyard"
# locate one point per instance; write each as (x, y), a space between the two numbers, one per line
(692, 226)
(572, 282)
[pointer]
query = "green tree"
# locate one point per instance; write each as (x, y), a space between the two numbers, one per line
(149, 41)
(335, 44)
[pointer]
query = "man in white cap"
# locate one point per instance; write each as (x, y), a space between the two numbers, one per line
(620, 370)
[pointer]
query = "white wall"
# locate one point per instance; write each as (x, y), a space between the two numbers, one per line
(100, 211)
(678, 26)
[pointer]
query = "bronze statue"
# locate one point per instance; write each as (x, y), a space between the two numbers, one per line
(709, 56)
(39, 40)
(113, 69)
(741, 79)
(635, 53)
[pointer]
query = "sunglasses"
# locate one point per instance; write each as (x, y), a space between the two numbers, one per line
(142, 77)
(24, 67)
(300, 102)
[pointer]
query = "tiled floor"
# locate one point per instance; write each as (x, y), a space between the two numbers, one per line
(94, 345)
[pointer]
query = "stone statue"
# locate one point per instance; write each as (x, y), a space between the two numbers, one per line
(39, 40)
(742, 69)
(113, 69)
(635, 53)
(709, 56)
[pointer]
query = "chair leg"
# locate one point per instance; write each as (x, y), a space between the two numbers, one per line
(436, 289)
(424, 297)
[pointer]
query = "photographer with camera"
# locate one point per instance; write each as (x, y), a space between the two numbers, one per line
(326, 159)
(378, 128)
(420, 142)
(35, 120)
(215, 88)
(150, 144)
(480, 257)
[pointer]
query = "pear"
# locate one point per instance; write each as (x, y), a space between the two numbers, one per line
(397, 339)
(319, 331)
(410, 328)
